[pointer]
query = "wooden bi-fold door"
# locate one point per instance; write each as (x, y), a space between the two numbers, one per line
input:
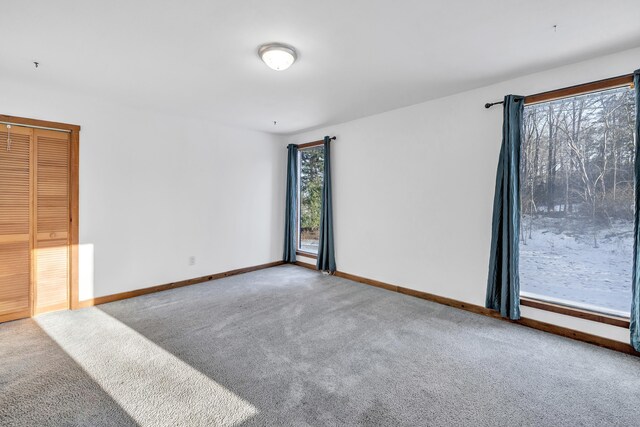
(16, 152)
(34, 221)
(51, 223)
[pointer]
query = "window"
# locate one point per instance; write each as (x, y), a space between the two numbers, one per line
(577, 201)
(311, 172)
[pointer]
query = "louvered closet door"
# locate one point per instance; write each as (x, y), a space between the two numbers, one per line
(51, 264)
(15, 219)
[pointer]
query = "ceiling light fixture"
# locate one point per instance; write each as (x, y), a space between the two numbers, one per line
(277, 56)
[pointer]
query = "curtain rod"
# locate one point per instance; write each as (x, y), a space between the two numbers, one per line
(491, 104)
(598, 85)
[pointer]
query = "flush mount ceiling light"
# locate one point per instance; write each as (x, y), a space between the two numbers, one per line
(277, 56)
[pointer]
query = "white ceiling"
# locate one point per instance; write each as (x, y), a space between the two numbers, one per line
(356, 57)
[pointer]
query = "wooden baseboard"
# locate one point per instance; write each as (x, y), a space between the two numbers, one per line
(369, 282)
(173, 285)
(531, 323)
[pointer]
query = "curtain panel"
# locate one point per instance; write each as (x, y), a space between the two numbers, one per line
(634, 324)
(326, 256)
(503, 286)
(290, 244)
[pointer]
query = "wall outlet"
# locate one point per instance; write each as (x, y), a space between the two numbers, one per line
(192, 260)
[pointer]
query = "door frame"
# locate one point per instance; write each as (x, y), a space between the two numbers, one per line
(74, 193)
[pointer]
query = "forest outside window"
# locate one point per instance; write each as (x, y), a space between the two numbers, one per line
(577, 201)
(311, 170)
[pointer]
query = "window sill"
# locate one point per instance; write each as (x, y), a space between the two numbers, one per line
(307, 254)
(575, 312)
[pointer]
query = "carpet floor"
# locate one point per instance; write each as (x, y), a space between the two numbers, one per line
(289, 346)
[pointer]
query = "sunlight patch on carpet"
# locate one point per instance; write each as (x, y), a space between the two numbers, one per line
(152, 385)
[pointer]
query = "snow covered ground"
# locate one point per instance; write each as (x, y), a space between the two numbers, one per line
(565, 265)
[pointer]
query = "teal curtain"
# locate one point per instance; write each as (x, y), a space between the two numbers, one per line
(290, 244)
(503, 287)
(634, 324)
(326, 257)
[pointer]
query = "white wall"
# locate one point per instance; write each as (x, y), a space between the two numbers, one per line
(156, 189)
(413, 188)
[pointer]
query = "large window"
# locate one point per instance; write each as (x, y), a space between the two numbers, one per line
(311, 163)
(577, 201)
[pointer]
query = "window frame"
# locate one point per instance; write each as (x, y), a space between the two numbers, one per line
(568, 92)
(299, 250)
